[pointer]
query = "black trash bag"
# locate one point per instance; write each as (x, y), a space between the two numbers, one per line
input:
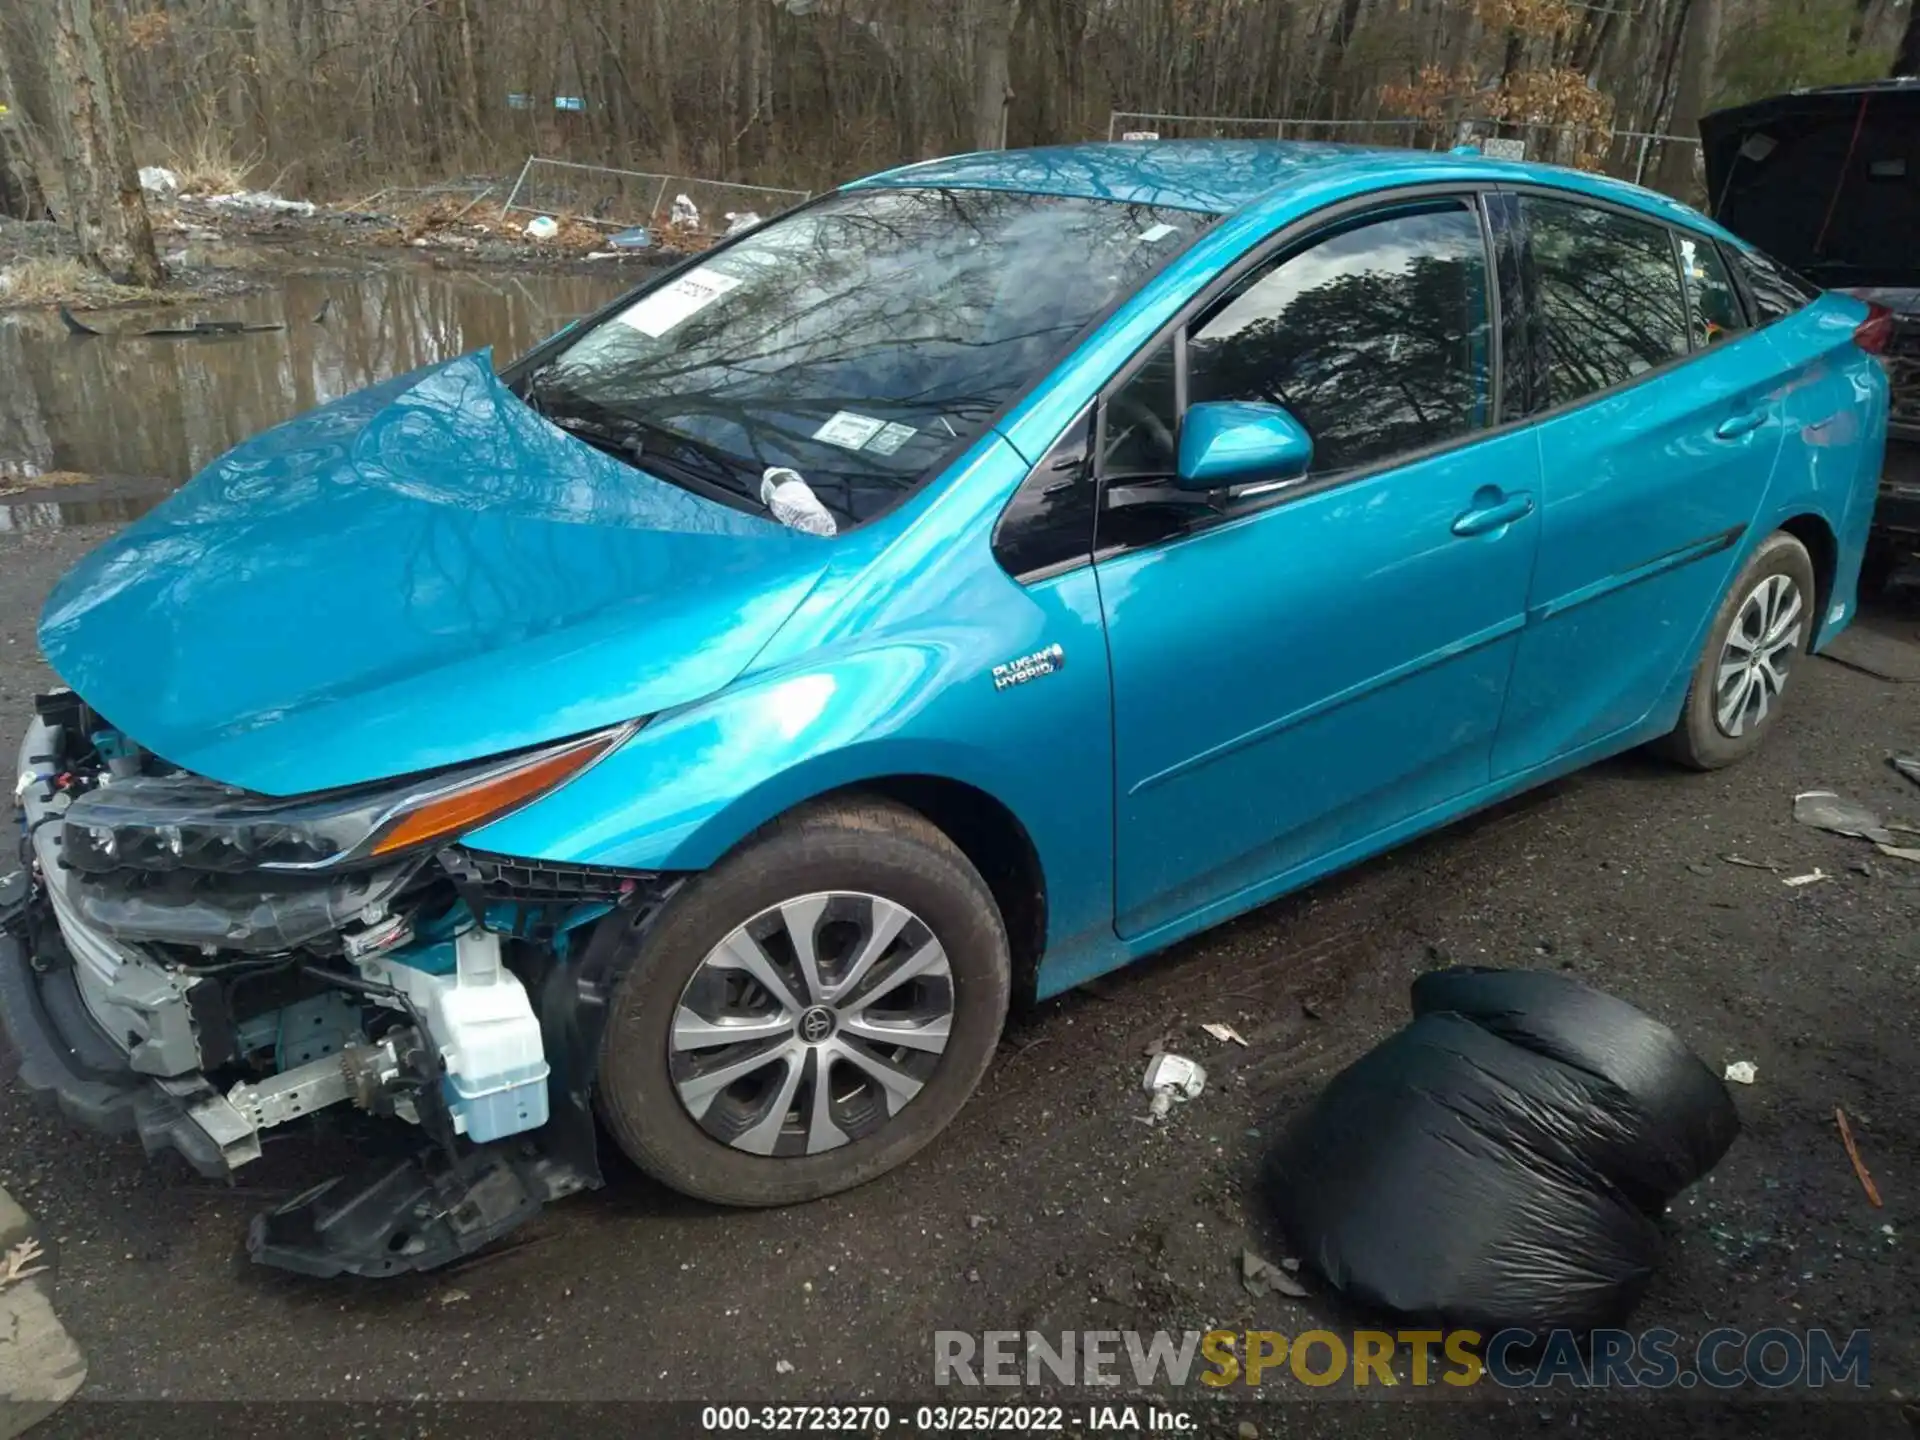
(1501, 1167)
(1443, 1177)
(1683, 1118)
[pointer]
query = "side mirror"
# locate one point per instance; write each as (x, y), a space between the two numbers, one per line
(1241, 442)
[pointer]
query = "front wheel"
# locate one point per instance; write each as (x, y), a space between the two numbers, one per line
(809, 1013)
(1763, 628)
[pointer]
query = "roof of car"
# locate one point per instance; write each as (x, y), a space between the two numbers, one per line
(1217, 176)
(1223, 176)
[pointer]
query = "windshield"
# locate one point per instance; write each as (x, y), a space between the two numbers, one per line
(859, 342)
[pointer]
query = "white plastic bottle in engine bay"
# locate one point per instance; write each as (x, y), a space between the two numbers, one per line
(478, 1015)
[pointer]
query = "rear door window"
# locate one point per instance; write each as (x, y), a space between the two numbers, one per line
(1608, 298)
(1713, 304)
(1775, 290)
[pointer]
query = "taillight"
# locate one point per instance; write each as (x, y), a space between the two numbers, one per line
(1875, 333)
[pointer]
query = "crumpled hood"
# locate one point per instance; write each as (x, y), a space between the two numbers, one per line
(423, 573)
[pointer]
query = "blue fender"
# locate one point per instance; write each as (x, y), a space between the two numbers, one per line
(875, 680)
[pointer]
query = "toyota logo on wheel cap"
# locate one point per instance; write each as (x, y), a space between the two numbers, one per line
(816, 1025)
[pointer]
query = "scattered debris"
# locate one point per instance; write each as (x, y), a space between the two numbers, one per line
(1700, 869)
(542, 227)
(326, 309)
(974, 1222)
(262, 200)
(1853, 1154)
(40, 1366)
(685, 215)
(199, 330)
(739, 220)
(1766, 865)
(206, 329)
(638, 238)
(1807, 879)
(1172, 1078)
(159, 182)
(17, 1264)
(1824, 810)
(792, 502)
(1225, 1034)
(783, 1367)
(1261, 1277)
(451, 1297)
(1742, 1072)
(1248, 1430)
(1907, 765)
(75, 326)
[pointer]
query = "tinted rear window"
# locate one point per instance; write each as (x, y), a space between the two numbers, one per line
(1609, 300)
(1776, 291)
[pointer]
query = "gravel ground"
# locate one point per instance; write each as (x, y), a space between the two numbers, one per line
(1049, 1205)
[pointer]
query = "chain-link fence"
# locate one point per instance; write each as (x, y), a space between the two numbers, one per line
(603, 195)
(1626, 154)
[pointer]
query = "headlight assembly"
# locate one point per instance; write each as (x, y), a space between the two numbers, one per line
(185, 822)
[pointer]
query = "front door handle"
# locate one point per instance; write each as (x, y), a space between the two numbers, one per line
(1493, 512)
(1734, 426)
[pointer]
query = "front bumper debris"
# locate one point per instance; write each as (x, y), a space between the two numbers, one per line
(64, 1053)
(459, 994)
(416, 1213)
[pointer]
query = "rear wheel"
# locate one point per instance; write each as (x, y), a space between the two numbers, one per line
(808, 1014)
(1764, 626)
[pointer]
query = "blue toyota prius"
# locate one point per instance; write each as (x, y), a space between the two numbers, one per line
(701, 730)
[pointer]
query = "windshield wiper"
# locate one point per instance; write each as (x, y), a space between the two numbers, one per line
(626, 439)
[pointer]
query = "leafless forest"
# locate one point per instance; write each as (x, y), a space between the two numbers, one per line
(326, 96)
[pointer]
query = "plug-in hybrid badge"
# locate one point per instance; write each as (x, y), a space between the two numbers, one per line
(1029, 667)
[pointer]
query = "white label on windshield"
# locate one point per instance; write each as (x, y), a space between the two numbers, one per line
(890, 438)
(1158, 232)
(665, 308)
(849, 431)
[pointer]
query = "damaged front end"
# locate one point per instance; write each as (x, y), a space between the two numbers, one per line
(200, 965)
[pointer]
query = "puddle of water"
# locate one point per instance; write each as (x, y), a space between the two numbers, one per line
(159, 410)
(59, 514)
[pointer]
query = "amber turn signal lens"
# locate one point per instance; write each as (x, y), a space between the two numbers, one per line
(462, 809)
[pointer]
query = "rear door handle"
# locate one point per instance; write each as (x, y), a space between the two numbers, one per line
(1493, 514)
(1734, 426)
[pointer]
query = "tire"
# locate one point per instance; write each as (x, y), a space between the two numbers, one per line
(1779, 568)
(836, 873)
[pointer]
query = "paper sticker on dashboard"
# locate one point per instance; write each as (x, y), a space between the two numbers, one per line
(686, 297)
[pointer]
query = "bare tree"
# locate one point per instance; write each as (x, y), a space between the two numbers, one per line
(21, 193)
(352, 95)
(1693, 83)
(106, 209)
(991, 27)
